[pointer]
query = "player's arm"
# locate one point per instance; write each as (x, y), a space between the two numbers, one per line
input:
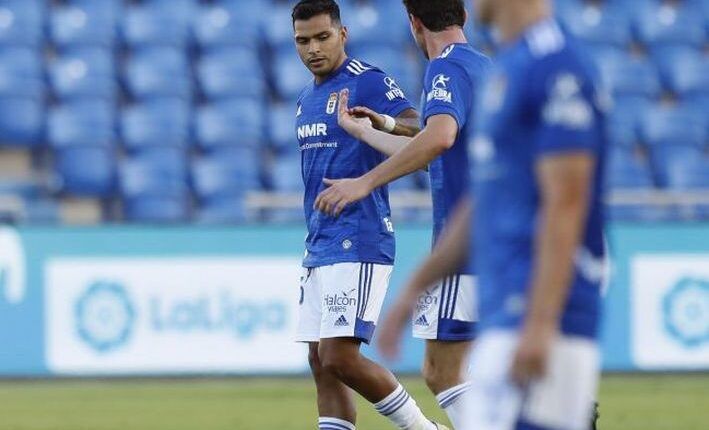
(448, 257)
(565, 185)
(405, 124)
(438, 136)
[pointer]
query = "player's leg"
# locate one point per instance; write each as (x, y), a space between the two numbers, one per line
(353, 297)
(336, 408)
(445, 317)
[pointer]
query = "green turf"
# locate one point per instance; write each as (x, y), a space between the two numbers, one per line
(666, 402)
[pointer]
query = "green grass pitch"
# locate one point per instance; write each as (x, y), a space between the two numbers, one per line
(634, 402)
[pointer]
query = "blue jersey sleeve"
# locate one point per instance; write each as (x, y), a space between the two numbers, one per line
(564, 98)
(447, 92)
(382, 94)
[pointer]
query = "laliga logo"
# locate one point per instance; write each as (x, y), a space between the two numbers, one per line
(686, 312)
(105, 316)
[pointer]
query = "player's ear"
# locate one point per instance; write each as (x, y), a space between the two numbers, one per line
(344, 33)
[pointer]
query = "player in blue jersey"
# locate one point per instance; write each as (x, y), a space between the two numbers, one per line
(349, 258)
(536, 234)
(445, 314)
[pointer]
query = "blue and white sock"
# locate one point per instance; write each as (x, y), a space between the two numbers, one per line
(329, 423)
(401, 409)
(453, 402)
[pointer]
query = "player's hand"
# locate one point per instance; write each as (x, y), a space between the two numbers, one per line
(377, 120)
(390, 331)
(340, 193)
(353, 125)
(532, 356)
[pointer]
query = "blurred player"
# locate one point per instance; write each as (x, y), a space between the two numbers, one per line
(446, 313)
(537, 229)
(348, 259)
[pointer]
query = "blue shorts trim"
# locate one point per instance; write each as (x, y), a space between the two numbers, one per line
(526, 426)
(364, 330)
(455, 330)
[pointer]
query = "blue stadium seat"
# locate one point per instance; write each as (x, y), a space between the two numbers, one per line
(230, 24)
(230, 123)
(86, 170)
(406, 183)
(661, 24)
(685, 72)
(156, 122)
(599, 23)
(158, 23)
(22, 121)
(629, 76)
(85, 122)
(291, 75)
(674, 125)
(21, 22)
(21, 73)
(226, 174)
(681, 167)
(377, 23)
(286, 174)
(282, 127)
(232, 72)
(85, 23)
(627, 170)
(154, 187)
(84, 72)
(158, 72)
(278, 26)
(625, 120)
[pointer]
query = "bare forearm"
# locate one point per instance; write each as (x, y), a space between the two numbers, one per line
(385, 143)
(407, 127)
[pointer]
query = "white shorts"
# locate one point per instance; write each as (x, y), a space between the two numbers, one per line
(562, 400)
(341, 300)
(447, 311)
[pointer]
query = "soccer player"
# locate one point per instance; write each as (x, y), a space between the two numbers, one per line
(537, 237)
(349, 258)
(446, 313)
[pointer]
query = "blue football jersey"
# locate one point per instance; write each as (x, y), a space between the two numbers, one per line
(363, 232)
(540, 99)
(450, 85)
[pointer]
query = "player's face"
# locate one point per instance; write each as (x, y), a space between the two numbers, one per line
(485, 10)
(320, 44)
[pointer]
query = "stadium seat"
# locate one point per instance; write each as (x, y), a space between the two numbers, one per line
(629, 76)
(278, 26)
(674, 125)
(85, 122)
(681, 166)
(628, 170)
(685, 72)
(226, 173)
(154, 187)
(377, 23)
(230, 24)
(660, 24)
(158, 23)
(21, 22)
(84, 72)
(230, 123)
(625, 120)
(156, 122)
(21, 121)
(21, 73)
(286, 174)
(231, 72)
(85, 23)
(86, 170)
(158, 72)
(599, 23)
(282, 127)
(290, 74)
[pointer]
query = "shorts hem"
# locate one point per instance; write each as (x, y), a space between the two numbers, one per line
(346, 336)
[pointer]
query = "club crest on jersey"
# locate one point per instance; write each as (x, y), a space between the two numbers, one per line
(331, 104)
(394, 89)
(440, 89)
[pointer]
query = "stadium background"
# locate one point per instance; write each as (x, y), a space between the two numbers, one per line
(150, 192)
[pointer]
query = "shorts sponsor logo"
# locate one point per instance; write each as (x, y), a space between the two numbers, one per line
(339, 303)
(426, 300)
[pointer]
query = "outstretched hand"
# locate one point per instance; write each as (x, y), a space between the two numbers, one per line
(352, 123)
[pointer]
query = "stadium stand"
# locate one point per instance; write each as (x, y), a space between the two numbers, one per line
(183, 110)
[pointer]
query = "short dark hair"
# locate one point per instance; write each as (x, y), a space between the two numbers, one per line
(437, 15)
(306, 9)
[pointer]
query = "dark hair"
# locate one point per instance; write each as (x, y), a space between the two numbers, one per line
(306, 9)
(437, 15)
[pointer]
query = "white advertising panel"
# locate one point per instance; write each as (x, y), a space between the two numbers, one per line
(172, 315)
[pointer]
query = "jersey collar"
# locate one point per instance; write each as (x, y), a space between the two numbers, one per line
(334, 73)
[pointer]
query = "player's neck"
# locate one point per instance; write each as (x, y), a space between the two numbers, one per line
(437, 42)
(512, 22)
(320, 79)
